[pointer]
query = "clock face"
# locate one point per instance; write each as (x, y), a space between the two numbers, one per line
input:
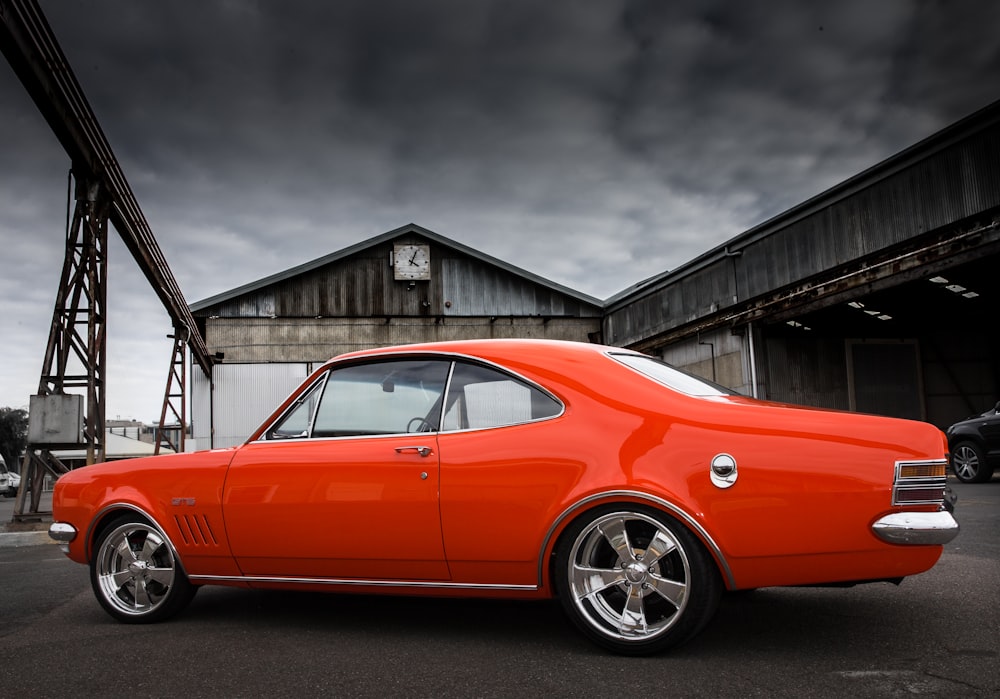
(411, 262)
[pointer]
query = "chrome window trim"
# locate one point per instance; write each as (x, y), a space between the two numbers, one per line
(362, 582)
(451, 357)
(444, 396)
(315, 385)
(455, 357)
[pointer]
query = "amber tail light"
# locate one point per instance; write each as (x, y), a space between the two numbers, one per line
(921, 469)
(920, 482)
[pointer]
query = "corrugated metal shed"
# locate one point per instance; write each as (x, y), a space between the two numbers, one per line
(928, 203)
(352, 299)
(358, 282)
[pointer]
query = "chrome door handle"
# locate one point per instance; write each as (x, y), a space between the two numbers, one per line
(423, 451)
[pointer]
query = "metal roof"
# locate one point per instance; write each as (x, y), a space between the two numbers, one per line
(948, 137)
(410, 228)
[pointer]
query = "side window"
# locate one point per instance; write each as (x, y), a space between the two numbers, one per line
(297, 421)
(387, 397)
(481, 397)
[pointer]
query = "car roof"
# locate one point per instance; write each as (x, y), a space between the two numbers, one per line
(522, 348)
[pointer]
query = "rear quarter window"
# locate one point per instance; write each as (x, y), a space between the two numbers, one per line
(671, 376)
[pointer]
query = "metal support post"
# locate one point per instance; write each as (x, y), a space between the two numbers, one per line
(76, 352)
(174, 397)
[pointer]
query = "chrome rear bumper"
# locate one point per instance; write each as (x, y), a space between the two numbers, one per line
(917, 528)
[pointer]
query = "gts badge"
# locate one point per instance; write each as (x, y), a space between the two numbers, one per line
(178, 502)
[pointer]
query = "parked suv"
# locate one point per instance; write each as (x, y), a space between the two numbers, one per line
(975, 446)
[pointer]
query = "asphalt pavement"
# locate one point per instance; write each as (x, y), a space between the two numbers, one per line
(24, 533)
(935, 635)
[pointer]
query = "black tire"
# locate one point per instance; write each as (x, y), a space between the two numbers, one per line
(135, 573)
(634, 580)
(969, 463)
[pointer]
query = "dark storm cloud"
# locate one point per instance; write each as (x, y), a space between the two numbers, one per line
(593, 142)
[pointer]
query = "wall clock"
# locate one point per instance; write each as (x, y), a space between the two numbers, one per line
(411, 261)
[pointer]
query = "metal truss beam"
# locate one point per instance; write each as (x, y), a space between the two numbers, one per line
(32, 51)
(75, 356)
(174, 403)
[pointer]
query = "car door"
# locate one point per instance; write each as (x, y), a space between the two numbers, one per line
(504, 464)
(990, 429)
(345, 483)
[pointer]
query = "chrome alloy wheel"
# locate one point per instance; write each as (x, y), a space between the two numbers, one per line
(628, 576)
(134, 572)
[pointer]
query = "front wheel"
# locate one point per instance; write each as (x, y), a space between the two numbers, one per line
(635, 581)
(969, 463)
(135, 574)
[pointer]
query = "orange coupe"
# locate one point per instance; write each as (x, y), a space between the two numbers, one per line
(633, 492)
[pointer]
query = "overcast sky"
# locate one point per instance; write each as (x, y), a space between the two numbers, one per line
(592, 142)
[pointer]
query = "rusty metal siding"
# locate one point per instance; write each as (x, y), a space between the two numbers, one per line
(362, 286)
(352, 287)
(703, 292)
(257, 305)
(947, 186)
(472, 288)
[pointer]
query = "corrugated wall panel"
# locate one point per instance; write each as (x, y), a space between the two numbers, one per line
(362, 286)
(244, 395)
(200, 402)
(260, 304)
(806, 372)
(475, 289)
(946, 187)
(702, 293)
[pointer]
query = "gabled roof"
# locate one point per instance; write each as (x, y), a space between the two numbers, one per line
(410, 228)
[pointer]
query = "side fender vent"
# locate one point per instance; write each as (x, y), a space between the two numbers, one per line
(195, 530)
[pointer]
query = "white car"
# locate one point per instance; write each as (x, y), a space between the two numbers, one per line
(9, 483)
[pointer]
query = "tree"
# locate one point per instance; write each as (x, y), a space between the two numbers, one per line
(13, 435)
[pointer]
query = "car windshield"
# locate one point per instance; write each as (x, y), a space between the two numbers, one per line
(671, 377)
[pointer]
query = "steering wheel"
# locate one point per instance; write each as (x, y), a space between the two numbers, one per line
(421, 425)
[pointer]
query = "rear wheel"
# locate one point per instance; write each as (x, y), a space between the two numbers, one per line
(969, 463)
(135, 574)
(635, 581)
